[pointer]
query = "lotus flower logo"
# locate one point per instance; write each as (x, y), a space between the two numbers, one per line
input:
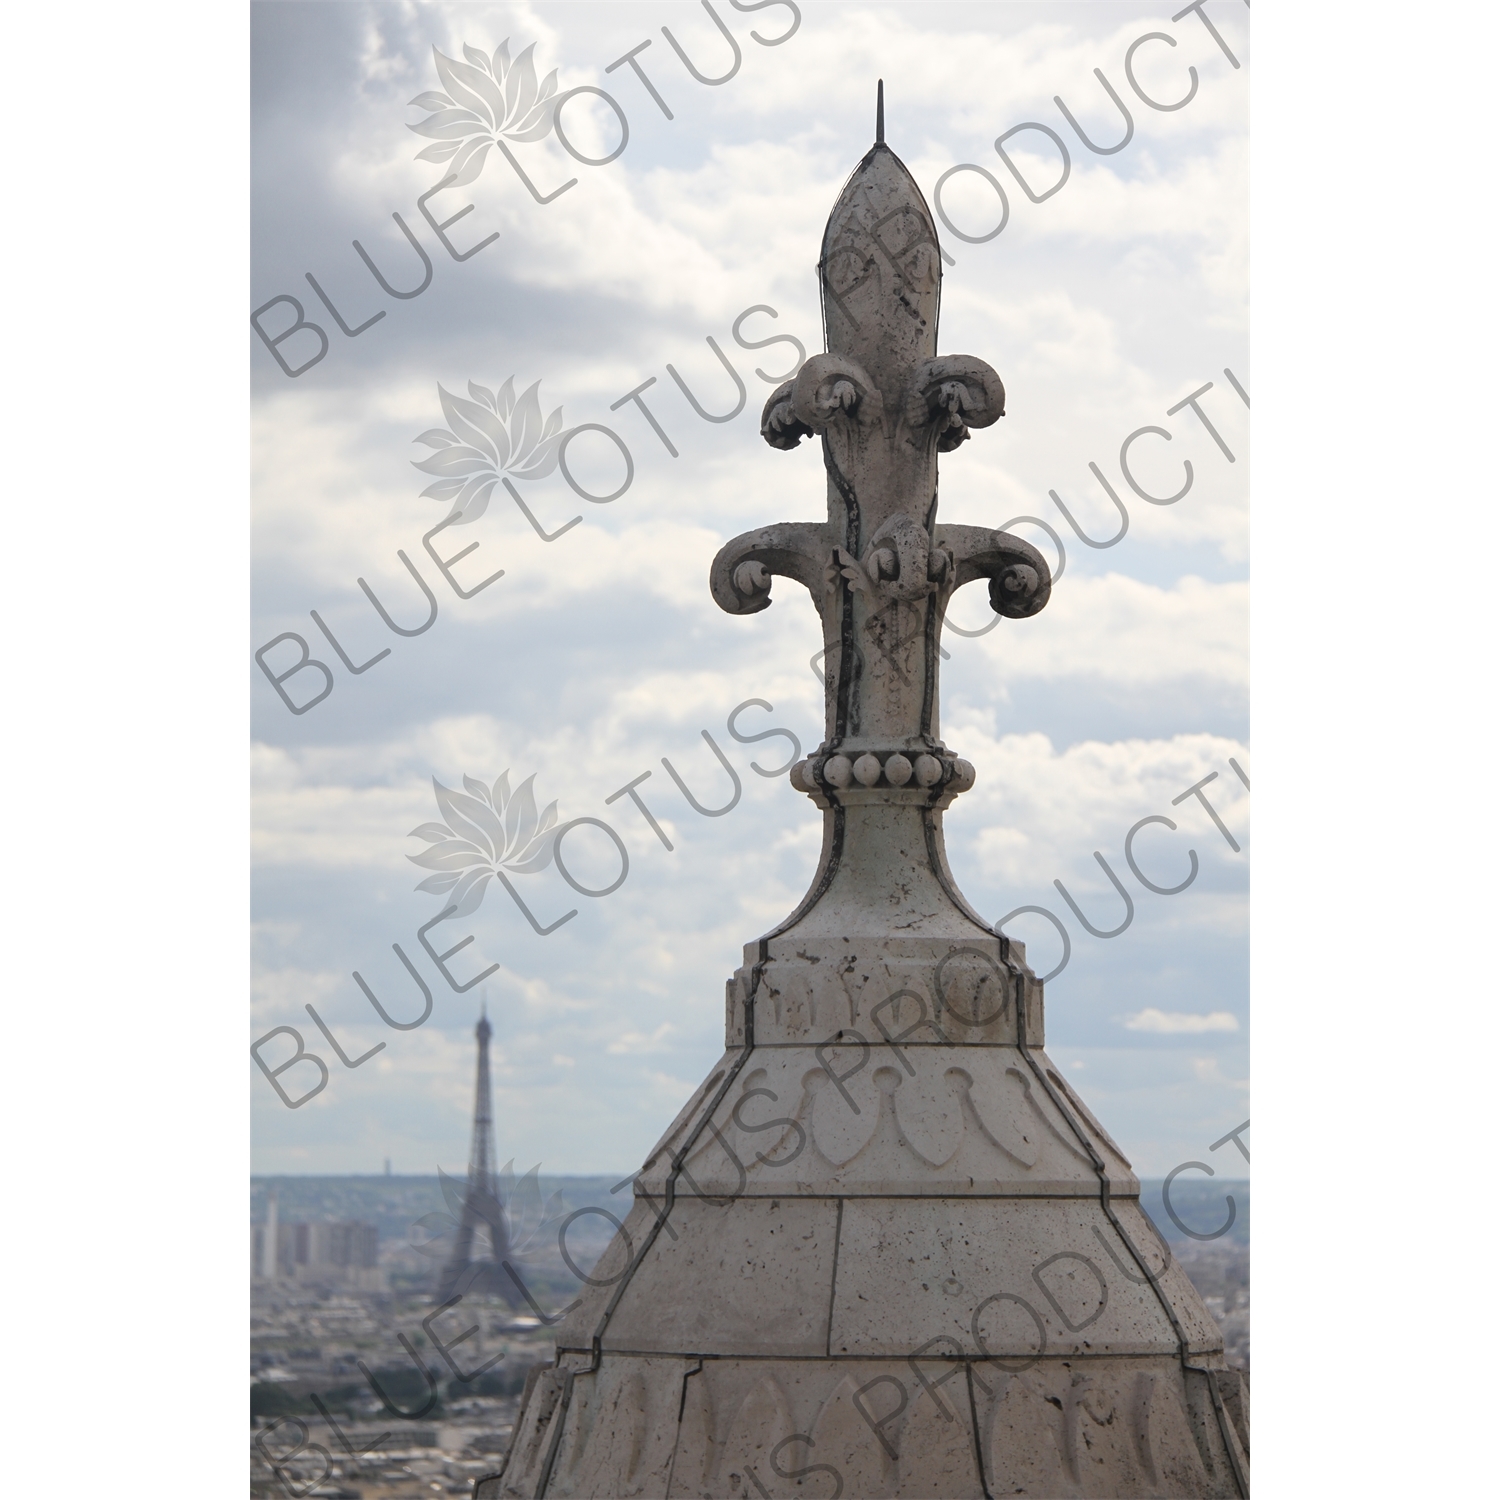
(487, 98)
(515, 1208)
(489, 830)
(491, 435)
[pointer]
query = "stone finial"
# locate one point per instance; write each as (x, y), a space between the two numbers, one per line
(884, 402)
(884, 1167)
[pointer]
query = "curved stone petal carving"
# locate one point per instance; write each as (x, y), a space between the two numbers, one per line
(1026, 1447)
(931, 1114)
(692, 1472)
(931, 1121)
(762, 1423)
(844, 1116)
(616, 1458)
(828, 387)
(1020, 580)
(740, 578)
(1005, 1111)
(780, 425)
(844, 1442)
(763, 1131)
(954, 392)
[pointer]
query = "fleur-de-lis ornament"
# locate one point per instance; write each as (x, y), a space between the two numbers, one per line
(881, 569)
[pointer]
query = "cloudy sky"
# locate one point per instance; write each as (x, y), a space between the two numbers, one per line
(600, 652)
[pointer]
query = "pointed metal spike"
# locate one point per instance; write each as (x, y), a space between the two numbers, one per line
(880, 111)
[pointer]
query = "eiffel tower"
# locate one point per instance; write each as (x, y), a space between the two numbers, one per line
(483, 1211)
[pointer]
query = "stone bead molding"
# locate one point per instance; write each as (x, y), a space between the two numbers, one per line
(870, 1428)
(845, 1120)
(932, 778)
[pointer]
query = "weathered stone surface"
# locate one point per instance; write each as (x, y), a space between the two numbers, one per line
(842, 1120)
(1094, 1427)
(760, 1271)
(809, 988)
(913, 1271)
(620, 1432)
(885, 1249)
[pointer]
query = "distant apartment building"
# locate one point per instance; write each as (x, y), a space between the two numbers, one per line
(340, 1254)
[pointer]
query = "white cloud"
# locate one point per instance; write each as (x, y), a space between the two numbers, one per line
(1100, 308)
(638, 1041)
(1034, 805)
(1127, 631)
(276, 992)
(1207, 1071)
(1171, 1022)
(671, 1088)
